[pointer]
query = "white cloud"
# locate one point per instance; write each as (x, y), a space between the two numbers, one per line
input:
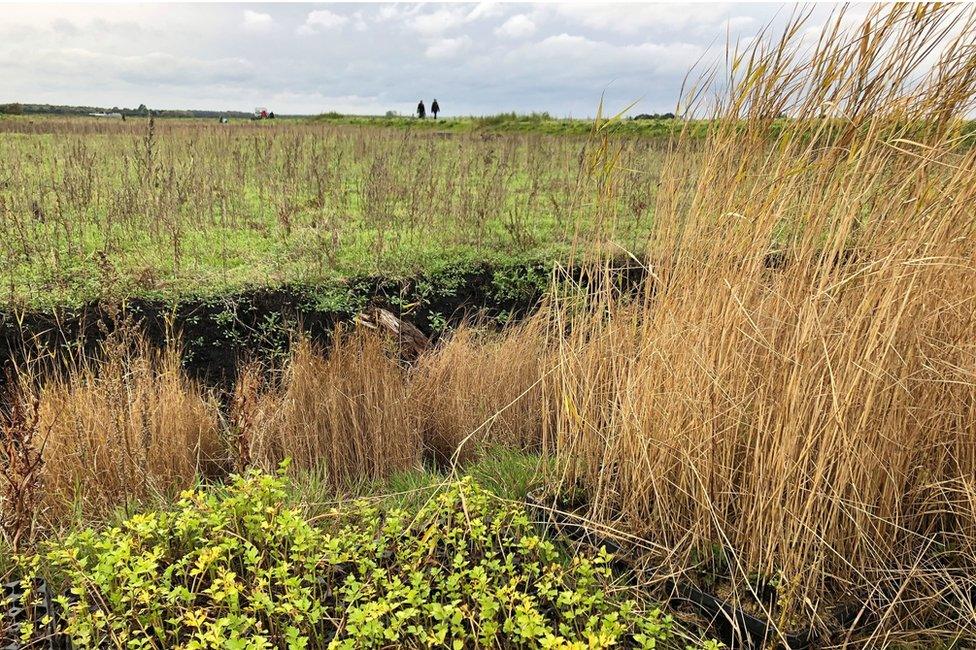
(388, 12)
(484, 10)
(322, 20)
(257, 22)
(604, 61)
(359, 23)
(736, 23)
(637, 18)
(518, 26)
(400, 12)
(437, 22)
(447, 47)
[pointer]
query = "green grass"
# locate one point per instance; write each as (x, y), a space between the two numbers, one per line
(508, 474)
(540, 123)
(102, 211)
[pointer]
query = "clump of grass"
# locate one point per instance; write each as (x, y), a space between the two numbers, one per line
(346, 412)
(354, 412)
(480, 387)
(124, 428)
(510, 118)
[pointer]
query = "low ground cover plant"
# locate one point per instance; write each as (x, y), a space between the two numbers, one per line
(242, 567)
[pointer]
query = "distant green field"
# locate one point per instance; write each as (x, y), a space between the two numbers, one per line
(104, 209)
(542, 123)
(517, 123)
(96, 209)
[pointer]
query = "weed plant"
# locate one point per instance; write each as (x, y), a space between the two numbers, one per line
(238, 568)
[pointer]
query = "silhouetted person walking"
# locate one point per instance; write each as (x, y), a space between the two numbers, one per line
(435, 108)
(421, 111)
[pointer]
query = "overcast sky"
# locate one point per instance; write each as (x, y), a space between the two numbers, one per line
(354, 58)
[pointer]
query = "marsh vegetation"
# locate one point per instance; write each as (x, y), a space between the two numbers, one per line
(92, 210)
(782, 415)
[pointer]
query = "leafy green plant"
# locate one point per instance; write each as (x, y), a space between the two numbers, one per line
(241, 567)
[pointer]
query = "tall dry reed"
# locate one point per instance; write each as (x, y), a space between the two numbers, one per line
(345, 413)
(817, 420)
(123, 429)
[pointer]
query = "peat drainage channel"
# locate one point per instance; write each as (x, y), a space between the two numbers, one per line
(216, 333)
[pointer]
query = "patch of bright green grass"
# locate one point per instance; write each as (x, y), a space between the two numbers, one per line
(507, 473)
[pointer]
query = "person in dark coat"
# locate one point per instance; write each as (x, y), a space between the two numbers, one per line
(435, 108)
(421, 111)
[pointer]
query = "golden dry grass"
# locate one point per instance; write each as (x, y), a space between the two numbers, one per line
(346, 413)
(480, 388)
(355, 411)
(128, 428)
(130, 425)
(817, 421)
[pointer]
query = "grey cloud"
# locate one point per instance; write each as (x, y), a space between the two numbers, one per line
(364, 58)
(67, 64)
(65, 27)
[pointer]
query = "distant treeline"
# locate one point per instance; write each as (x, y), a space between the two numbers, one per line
(141, 111)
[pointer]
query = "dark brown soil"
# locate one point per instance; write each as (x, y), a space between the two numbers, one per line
(217, 333)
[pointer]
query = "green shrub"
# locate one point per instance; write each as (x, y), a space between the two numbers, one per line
(241, 568)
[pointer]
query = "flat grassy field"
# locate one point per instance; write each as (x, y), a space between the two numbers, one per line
(541, 123)
(92, 209)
